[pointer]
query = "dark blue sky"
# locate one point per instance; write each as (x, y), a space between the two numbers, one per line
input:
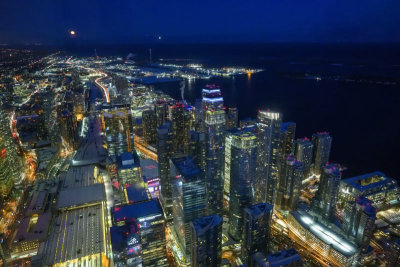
(127, 21)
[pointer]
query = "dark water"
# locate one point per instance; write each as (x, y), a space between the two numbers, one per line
(351, 101)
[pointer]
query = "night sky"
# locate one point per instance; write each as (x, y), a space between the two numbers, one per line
(127, 21)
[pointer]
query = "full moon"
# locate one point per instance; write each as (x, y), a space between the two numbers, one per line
(72, 32)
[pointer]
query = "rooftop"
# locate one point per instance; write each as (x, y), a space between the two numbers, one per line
(137, 211)
(186, 167)
(203, 224)
(259, 209)
(281, 258)
(76, 233)
(370, 180)
(136, 193)
(76, 197)
(338, 242)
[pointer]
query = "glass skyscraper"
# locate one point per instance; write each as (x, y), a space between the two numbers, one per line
(189, 203)
(322, 142)
(289, 185)
(269, 129)
(304, 154)
(243, 155)
(206, 241)
(256, 230)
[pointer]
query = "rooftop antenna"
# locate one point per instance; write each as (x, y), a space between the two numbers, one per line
(95, 53)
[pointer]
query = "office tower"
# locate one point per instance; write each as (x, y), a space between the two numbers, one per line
(117, 123)
(256, 230)
(215, 137)
(189, 199)
(68, 129)
(286, 145)
(322, 142)
(161, 110)
(11, 166)
(283, 258)
(289, 185)
(138, 234)
(376, 186)
(164, 148)
(197, 148)
(359, 222)
(180, 126)
(128, 167)
(232, 118)
(304, 153)
(212, 97)
(269, 128)
(206, 241)
(242, 174)
(149, 121)
(324, 201)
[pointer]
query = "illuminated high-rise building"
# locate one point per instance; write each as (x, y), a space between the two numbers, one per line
(286, 145)
(212, 97)
(269, 128)
(180, 127)
(138, 237)
(256, 230)
(189, 199)
(161, 110)
(215, 139)
(324, 201)
(117, 123)
(197, 148)
(322, 142)
(149, 122)
(393, 257)
(164, 148)
(304, 153)
(376, 186)
(232, 118)
(289, 184)
(68, 129)
(243, 156)
(359, 222)
(206, 241)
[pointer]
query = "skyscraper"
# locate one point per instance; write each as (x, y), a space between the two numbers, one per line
(269, 128)
(304, 154)
(68, 129)
(164, 148)
(206, 241)
(138, 238)
(322, 142)
(243, 156)
(212, 97)
(161, 111)
(180, 127)
(324, 201)
(149, 121)
(286, 145)
(289, 185)
(359, 221)
(215, 137)
(117, 123)
(197, 148)
(189, 203)
(232, 118)
(256, 230)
